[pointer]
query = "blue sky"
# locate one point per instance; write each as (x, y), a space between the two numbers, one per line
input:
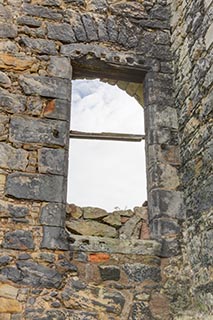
(105, 174)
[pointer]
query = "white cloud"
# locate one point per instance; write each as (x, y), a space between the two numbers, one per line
(103, 173)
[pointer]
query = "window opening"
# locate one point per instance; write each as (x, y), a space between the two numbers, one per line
(106, 174)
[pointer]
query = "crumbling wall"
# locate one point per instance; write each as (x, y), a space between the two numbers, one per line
(192, 37)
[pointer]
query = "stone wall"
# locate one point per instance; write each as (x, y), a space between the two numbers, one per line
(48, 270)
(192, 37)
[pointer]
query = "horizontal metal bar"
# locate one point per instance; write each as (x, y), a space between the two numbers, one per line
(107, 136)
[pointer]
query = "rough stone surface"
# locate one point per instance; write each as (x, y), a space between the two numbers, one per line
(91, 228)
(19, 240)
(52, 161)
(35, 187)
(11, 158)
(53, 214)
(139, 272)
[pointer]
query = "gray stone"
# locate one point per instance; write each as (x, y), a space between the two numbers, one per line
(49, 87)
(4, 80)
(54, 238)
(166, 203)
(12, 158)
(8, 46)
(79, 30)
(139, 272)
(42, 12)
(91, 228)
(110, 245)
(35, 187)
(19, 240)
(12, 274)
(170, 248)
(93, 213)
(57, 109)
(127, 230)
(8, 30)
(109, 273)
(114, 219)
(53, 214)
(40, 46)
(29, 21)
(60, 67)
(140, 311)
(55, 3)
(52, 161)
(4, 260)
(38, 275)
(34, 106)
(162, 226)
(90, 28)
(32, 130)
(12, 210)
(12, 103)
(5, 12)
(62, 32)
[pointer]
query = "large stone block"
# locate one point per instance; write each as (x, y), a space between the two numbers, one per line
(62, 32)
(32, 130)
(40, 46)
(52, 161)
(35, 187)
(12, 158)
(42, 12)
(60, 67)
(53, 214)
(57, 109)
(15, 63)
(164, 227)
(166, 203)
(162, 175)
(19, 240)
(139, 272)
(8, 30)
(49, 87)
(54, 238)
(91, 228)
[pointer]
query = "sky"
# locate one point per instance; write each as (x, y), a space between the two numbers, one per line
(105, 174)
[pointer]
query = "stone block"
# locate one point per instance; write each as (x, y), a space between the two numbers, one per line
(62, 32)
(170, 248)
(29, 21)
(12, 158)
(60, 67)
(166, 203)
(94, 213)
(139, 272)
(5, 81)
(10, 306)
(19, 240)
(8, 291)
(164, 227)
(12, 103)
(40, 46)
(127, 230)
(109, 273)
(12, 210)
(57, 109)
(42, 12)
(32, 130)
(15, 63)
(162, 175)
(49, 87)
(140, 311)
(91, 228)
(52, 161)
(54, 238)
(35, 187)
(53, 214)
(89, 27)
(8, 30)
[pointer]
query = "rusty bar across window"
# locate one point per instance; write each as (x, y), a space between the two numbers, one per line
(107, 136)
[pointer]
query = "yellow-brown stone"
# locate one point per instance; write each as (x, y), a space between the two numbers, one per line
(7, 291)
(9, 306)
(10, 62)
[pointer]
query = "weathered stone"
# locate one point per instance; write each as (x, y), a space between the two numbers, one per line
(170, 247)
(54, 238)
(35, 187)
(53, 214)
(64, 266)
(7, 291)
(159, 306)
(31, 130)
(114, 219)
(89, 27)
(8, 30)
(57, 109)
(162, 226)
(52, 161)
(19, 240)
(34, 106)
(55, 3)
(74, 211)
(4, 260)
(60, 67)
(12, 103)
(10, 306)
(140, 311)
(109, 273)
(40, 46)
(91, 228)
(110, 245)
(12, 210)
(139, 272)
(16, 63)
(49, 87)
(28, 21)
(94, 213)
(4, 80)
(79, 30)
(12, 158)
(127, 230)
(5, 12)
(62, 32)
(42, 12)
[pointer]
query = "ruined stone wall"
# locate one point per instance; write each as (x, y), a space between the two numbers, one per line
(192, 37)
(47, 271)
